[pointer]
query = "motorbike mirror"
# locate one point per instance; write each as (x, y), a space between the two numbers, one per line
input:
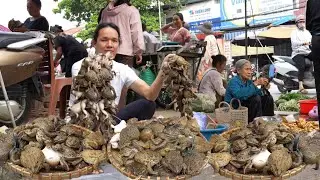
(271, 71)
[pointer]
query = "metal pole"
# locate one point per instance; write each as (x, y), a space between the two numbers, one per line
(7, 100)
(159, 8)
(246, 28)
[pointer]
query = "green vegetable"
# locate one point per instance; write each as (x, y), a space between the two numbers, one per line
(279, 101)
(295, 96)
(291, 105)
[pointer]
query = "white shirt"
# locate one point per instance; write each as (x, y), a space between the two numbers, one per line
(151, 43)
(298, 37)
(125, 76)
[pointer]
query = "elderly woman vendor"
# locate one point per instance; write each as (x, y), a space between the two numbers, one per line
(243, 88)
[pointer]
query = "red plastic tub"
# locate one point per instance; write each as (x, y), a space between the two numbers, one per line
(307, 105)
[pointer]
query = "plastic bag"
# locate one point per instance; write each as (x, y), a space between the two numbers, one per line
(203, 103)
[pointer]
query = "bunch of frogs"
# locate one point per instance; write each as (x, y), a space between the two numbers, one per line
(179, 83)
(161, 147)
(236, 152)
(76, 148)
(94, 105)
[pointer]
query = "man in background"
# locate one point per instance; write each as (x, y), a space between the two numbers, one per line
(150, 41)
(313, 25)
(70, 48)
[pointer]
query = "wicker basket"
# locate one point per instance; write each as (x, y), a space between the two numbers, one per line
(239, 116)
(238, 176)
(121, 169)
(234, 117)
(53, 175)
(223, 114)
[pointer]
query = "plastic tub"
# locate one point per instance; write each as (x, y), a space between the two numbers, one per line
(307, 105)
(207, 133)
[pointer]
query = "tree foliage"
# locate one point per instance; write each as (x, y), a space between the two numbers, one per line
(88, 10)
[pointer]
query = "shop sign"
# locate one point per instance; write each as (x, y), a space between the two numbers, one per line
(262, 9)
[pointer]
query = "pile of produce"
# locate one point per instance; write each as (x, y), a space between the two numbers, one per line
(302, 125)
(260, 148)
(177, 81)
(309, 146)
(47, 144)
(94, 107)
(290, 101)
(160, 147)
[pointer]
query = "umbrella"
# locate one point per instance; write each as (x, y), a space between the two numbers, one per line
(240, 50)
(279, 32)
(253, 39)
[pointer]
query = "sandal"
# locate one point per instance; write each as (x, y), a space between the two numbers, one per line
(303, 91)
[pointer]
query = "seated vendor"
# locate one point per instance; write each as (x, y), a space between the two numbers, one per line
(243, 88)
(212, 83)
(107, 39)
(36, 22)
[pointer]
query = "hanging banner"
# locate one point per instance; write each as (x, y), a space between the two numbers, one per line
(264, 11)
(196, 14)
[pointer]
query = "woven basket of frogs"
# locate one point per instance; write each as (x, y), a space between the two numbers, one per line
(48, 148)
(262, 150)
(171, 148)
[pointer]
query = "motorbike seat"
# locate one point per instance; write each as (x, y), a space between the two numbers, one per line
(288, 60)
(7, 38)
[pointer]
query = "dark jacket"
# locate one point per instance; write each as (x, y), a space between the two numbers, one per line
(313, 16)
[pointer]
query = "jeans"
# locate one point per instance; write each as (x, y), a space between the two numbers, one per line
(141, 109)
(316, 64)
(300, 61)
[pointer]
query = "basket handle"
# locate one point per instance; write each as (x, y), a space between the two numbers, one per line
(223, 102)
(239, 102)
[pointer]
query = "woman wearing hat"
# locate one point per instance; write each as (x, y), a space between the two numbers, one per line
(243, 88)
(212, 48)
(176, 30)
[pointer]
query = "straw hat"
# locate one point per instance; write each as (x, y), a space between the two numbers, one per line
(206, 28)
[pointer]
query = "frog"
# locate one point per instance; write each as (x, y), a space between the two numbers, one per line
(95, 157)
(73, 142)
(173, 161)
(136, 168)
(193, 163)
(148, 158)
(94, 141)
(71, 130)
(33, 159)
(238, 145)
(128, 134)
(252, 141)
(240, 134)
(202, 146)
(279, 162)
(219, 160)
(60, 138)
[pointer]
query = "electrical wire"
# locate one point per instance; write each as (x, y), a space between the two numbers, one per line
(257, 39)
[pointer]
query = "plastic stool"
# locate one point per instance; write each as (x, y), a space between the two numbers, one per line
(56, 91)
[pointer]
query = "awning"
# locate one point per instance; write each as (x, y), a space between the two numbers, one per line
(240, 50)
(283, 20)
(232, 35)
(279, 32)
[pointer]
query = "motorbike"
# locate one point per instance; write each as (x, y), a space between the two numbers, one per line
(20, 57)
(286, 74)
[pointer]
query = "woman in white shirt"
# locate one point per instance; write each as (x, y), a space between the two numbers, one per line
(300, 42)
(107, 39)
(212, 83)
